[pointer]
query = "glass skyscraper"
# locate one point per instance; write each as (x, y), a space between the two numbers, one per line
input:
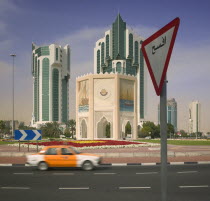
(51, 73)
(194, 117)
(119, 51)
(171, 113)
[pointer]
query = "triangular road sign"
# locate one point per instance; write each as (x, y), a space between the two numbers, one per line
(157, 51)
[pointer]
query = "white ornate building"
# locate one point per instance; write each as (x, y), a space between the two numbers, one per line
(120, 51)
(105, 104)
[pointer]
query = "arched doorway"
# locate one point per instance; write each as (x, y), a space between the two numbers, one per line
(83, 129)
(104, 129)
(128, 130)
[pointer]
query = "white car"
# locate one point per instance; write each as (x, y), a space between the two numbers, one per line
(63, 156)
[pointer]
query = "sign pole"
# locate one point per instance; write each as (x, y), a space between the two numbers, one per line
(163, 134)
(157, 51)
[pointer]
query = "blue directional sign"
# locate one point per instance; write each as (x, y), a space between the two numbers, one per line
(28, 135)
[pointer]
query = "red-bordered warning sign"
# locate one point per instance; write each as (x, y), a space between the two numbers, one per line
(157, 51)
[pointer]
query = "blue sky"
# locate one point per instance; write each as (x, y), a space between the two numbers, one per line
(81, 23)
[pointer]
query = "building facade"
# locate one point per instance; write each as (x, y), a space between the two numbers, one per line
(120, 51)
(51, 73)
(194, 117)
(106, 106)
(171, 113)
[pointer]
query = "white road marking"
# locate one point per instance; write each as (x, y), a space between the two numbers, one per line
(5, 164)
(146, 172)
(16, 188)
(110, 173)
(202, 186)
(78, 188)
(177, 163)
(148, 164)
(143, 187)
(204, 162)
(63, 173)
(119, 164)
(187, 172)
(22, 173)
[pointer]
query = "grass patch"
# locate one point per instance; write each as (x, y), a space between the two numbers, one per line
(6, 142)
(180, 142)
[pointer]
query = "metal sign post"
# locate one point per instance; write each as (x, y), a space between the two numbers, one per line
(163, 134)
(157, 51)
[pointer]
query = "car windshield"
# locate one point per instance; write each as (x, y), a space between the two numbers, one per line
(75, 150)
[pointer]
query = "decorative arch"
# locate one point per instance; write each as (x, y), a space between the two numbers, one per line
(128, 130)
(125, 133)
(83, 129)
(104, 128)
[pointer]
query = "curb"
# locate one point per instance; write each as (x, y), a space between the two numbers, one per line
(121, 154)
(122, 164)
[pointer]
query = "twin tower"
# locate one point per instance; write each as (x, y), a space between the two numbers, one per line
(109, 103)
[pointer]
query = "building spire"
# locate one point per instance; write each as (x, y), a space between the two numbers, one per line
(118, 31)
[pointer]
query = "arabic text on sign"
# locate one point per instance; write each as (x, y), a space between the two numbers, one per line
(159, 46)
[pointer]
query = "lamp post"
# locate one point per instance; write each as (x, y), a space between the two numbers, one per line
(13, 97)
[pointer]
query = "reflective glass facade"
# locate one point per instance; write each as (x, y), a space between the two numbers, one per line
(45, 89)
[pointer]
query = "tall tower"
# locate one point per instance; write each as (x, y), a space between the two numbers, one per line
(171, 113)
(194, 117)
(120, 52)
(51, 73)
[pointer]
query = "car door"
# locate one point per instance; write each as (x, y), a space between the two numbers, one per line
(52, 158)
(68, 158)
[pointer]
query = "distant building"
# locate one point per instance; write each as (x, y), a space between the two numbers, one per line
(51, 73)
(194, 117)
(119, 51)
(9, 124)
(171, 113)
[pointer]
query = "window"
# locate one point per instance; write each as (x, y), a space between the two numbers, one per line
(65, 151)
(56, 54)
(102, 53)
(107, 46)
(118, 67)
(45, 89)
(55, 95)
(131, 46)
(98, 61)
(51, 151)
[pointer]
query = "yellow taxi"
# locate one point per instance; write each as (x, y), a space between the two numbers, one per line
(63, 156)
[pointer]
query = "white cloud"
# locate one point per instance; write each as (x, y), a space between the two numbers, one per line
(6, 6)
(144, 31)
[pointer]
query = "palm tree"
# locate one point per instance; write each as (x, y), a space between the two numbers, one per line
(72, 125)
(51, 130)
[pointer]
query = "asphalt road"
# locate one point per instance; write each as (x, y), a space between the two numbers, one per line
(139, 183)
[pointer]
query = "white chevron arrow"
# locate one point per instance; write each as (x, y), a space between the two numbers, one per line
(24, 135)
(37, 135)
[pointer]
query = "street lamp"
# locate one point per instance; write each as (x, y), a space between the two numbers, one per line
(13, 97)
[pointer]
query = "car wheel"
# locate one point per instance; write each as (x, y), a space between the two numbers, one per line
(42, 166)
(87, 165)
